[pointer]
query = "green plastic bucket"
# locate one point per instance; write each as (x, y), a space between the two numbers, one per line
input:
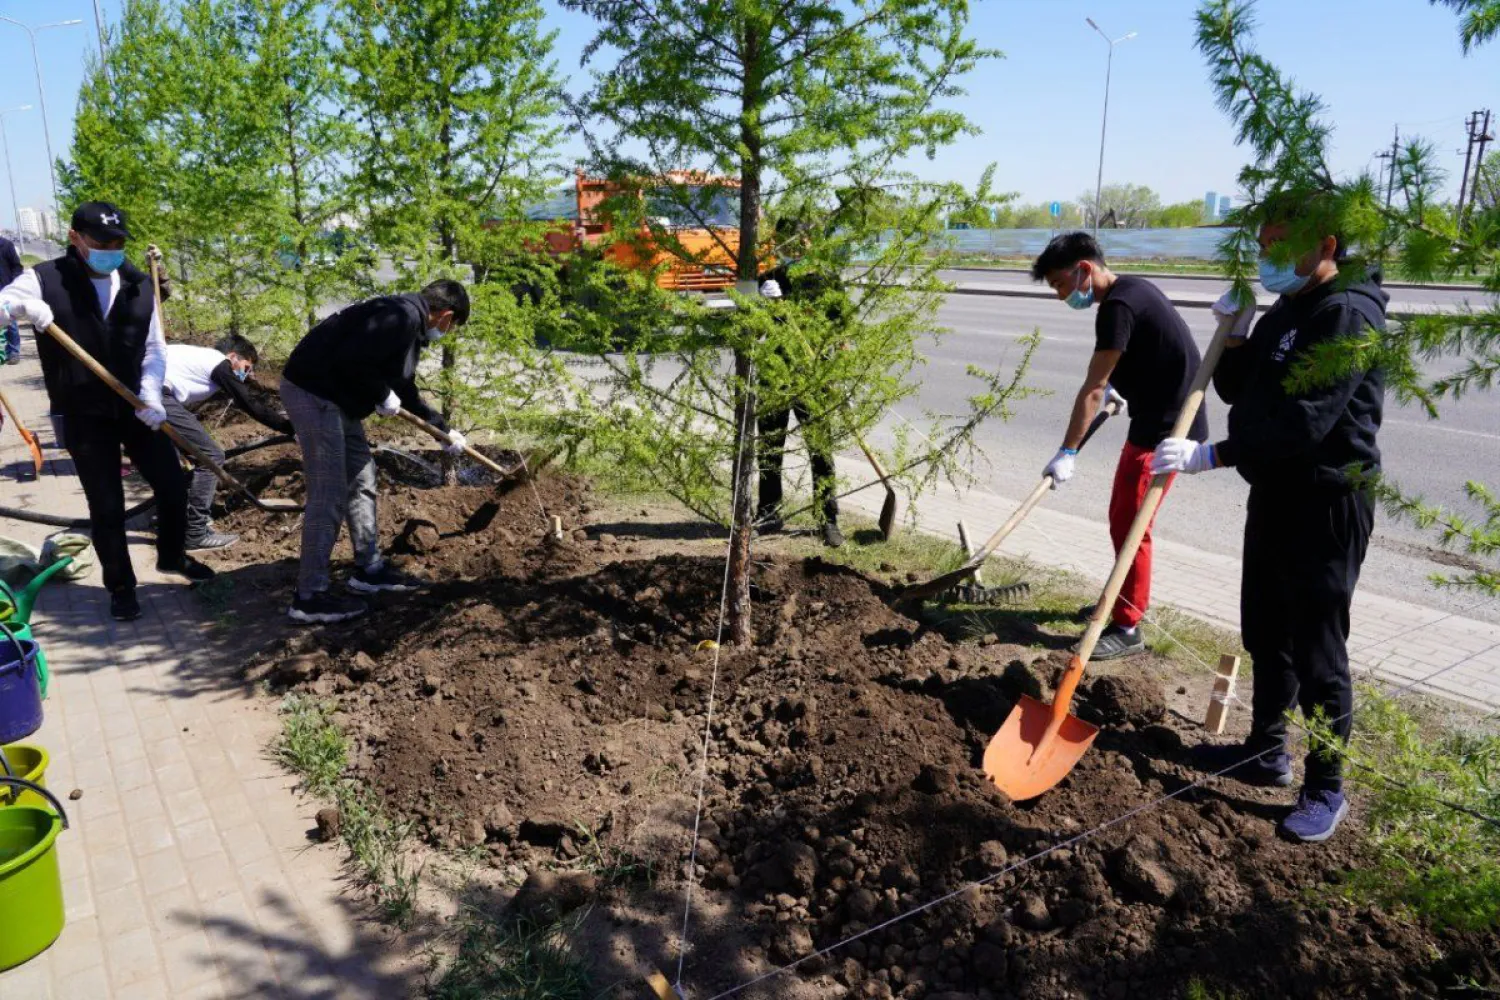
(31, 900)
(28, 762)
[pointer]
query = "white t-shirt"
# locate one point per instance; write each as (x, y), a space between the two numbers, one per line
(188, 371)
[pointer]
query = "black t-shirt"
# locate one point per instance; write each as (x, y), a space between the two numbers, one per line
(1158, 362)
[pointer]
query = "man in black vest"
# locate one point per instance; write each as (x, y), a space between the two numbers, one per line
(107, 306)
(10, 270)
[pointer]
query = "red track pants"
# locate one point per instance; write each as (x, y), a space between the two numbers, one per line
(1132, 479)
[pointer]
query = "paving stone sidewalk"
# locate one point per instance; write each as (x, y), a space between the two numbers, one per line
(187, 870)
(1394, 641)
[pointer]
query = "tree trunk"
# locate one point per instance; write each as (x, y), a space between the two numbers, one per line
(747, 271)
(744, 502)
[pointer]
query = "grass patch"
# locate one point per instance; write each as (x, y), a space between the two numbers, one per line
(1180, 636)
(217, 597)
(1434, 815)
(312, 746)
(1197, 989)
(610, 863)
(514, 960)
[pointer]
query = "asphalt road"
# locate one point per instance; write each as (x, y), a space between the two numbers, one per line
(1205, 290)
(1207, 511)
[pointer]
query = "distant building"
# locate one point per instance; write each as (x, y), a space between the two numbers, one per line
(1224, 206)
(30, 224)
(1211, 206)
(50, 226)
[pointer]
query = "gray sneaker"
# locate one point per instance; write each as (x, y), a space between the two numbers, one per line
(1116, 642)
(210, 539)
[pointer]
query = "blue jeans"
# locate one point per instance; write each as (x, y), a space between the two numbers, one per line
(13, 341)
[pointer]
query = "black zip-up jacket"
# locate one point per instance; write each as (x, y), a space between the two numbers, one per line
(362, 352)
(1313, 438)
(240, 395)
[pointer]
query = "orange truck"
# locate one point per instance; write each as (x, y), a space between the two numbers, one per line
(704, 225)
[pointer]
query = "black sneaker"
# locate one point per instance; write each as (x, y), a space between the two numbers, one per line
(210, 539)
(1271, 768)
(190, 569)
(385, 578)
(1117, 642)
(123, 606)
(768, 523)
(12, 359)
(325, 607)
(832, 536)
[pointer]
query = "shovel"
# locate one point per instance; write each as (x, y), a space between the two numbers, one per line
(891, 507)
(26, 435)
(469, 450)
(946, 582)
(1040, 743)
(71, 346)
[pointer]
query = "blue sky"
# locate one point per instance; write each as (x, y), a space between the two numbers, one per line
(1377, 63)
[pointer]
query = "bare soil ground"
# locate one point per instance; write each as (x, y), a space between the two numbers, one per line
(542, 709)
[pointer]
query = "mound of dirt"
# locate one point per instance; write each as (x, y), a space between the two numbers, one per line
(542, 707)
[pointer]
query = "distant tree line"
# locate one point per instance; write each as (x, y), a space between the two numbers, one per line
(1124, 206)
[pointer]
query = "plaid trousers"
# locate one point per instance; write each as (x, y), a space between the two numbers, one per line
(340, 475)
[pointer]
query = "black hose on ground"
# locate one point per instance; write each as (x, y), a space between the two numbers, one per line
(58, 521)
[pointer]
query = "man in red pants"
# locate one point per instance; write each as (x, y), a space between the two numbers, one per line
(1144, 351)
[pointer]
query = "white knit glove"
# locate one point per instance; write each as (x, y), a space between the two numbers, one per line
(1229, 306)
(456, 443)
(39, 313)
(1182, 455)
(390, 406)
(1111, 396)
(152, 415)
(1061, 466)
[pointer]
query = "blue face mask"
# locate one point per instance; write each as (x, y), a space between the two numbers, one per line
(243, 374)
(1282, 279)
(1082, 298)
(106, 261)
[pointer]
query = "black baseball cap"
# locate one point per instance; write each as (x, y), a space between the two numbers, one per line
(101, 220)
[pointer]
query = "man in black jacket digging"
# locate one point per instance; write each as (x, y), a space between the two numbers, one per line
(1308, 521)
(361, 360)
(107, 306)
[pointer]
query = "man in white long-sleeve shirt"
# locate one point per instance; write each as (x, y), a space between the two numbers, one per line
(107, 306)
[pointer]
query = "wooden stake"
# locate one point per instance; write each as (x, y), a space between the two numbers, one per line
(556, 528)
(661, 987)
(1218, 702)
(963, 540)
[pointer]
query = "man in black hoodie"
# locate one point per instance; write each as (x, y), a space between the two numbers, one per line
(361, 360)
(1308, 521)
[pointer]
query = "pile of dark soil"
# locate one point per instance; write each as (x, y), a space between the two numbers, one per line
(541, 707)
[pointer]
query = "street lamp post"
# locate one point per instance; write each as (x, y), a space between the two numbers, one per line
(1108, 68)
(42, 96)
(15, 205)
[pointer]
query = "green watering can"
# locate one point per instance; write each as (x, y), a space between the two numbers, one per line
(15, 611)
(31, 900)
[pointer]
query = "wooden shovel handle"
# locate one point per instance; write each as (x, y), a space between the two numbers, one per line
(136, 403)
(1152, 500)
(1039, 491)
(874, 462)
(442, 438)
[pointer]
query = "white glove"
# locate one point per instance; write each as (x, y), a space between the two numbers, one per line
(152, 415)
(1228, 305)
(39, 313)
(390, 406)
(456, 443)
(1061, 466)
(1111, 396)
(1183, 455)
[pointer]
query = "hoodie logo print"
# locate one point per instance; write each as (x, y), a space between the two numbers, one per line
(1288, 341)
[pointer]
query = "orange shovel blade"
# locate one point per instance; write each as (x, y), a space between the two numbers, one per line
(1023, 761)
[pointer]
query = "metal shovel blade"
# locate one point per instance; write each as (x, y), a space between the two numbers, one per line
(1024, 759)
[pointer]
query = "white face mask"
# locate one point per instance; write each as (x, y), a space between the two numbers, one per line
(432, 334)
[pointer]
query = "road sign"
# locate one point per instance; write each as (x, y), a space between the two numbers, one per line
(1055, 208)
